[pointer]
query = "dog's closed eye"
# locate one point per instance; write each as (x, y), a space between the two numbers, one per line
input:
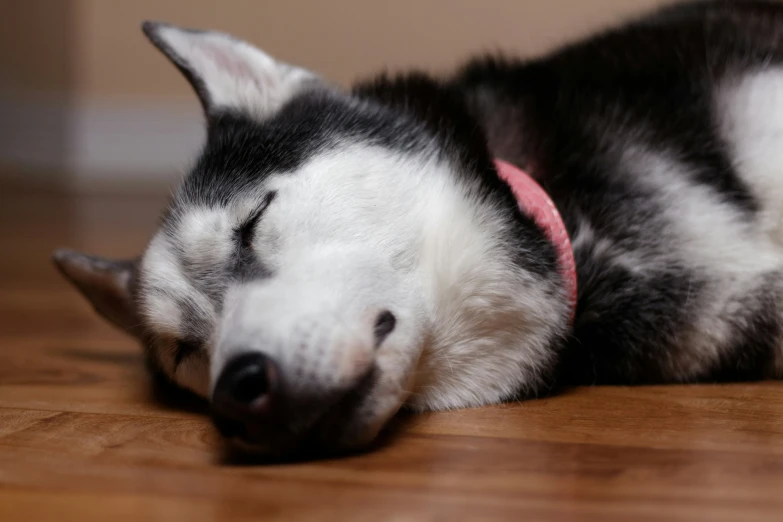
(244, 233)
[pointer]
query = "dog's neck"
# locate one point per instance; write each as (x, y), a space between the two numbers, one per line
(536, 203)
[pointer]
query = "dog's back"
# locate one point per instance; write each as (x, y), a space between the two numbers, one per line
(662, 145)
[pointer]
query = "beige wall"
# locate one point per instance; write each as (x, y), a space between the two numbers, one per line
(341, 39)
(84, 97)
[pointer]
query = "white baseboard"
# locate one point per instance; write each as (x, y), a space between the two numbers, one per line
(99, 143)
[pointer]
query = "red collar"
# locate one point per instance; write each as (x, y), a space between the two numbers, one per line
(536, 203)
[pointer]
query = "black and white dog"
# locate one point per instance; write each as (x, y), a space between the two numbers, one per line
(336, 255)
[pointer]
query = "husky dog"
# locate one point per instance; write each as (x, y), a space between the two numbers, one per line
(335, 255)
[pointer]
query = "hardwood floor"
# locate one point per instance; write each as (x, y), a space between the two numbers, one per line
(82, 437)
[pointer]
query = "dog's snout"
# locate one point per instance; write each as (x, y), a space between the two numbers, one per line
(245, 392)
(293, 391)
(384, 325)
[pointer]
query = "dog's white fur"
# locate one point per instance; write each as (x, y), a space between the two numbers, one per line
(751, 121)
(751, 110)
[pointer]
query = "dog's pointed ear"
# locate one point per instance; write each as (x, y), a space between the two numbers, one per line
(228, 74)
(105, 283)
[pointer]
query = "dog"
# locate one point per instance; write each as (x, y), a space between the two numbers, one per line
(609, 213)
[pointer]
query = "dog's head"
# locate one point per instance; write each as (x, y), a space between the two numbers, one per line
(331, 256)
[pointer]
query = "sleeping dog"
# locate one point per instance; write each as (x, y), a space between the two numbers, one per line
(607, 214)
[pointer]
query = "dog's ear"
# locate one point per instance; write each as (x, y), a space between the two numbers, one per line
(228, 74)
(105, 283)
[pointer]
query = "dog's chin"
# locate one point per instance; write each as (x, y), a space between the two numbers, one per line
(240, 450)
(345, 428)
(351, 424)
(325, 440)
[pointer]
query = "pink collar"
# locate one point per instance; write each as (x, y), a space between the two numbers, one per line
(536, 203)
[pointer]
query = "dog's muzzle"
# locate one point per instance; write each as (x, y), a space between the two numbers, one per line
(263, 408)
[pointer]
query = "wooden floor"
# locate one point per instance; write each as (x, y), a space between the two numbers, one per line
(82, 438)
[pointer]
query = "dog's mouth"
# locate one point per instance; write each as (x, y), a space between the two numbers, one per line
(300, 424)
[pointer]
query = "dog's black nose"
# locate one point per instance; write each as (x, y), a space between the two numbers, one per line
(244, 394)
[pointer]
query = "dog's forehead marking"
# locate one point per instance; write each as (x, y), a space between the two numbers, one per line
(205, 236)
(168, 300)
(184, 264)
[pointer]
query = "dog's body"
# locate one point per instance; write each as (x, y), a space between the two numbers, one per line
(354, 252)
(662, 146)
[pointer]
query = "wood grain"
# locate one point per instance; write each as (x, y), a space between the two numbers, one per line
(83, 438)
